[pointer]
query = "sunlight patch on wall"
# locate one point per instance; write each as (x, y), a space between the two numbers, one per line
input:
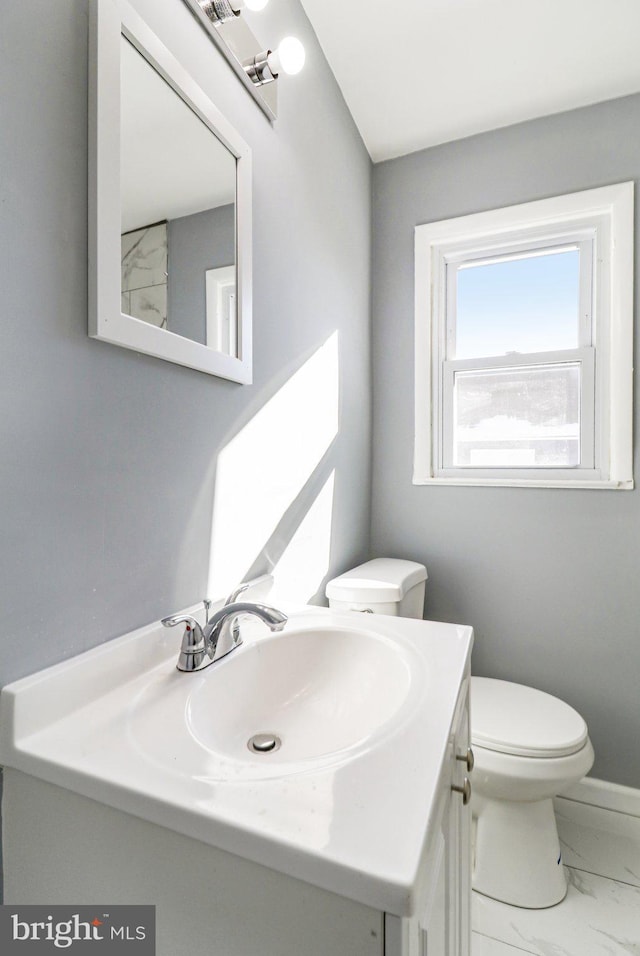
(265, 468)
(302, 568)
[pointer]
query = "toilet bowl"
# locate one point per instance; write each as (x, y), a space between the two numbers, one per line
(528, 748)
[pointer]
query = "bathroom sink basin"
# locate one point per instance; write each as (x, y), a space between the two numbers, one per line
(297, 697)
(319, 691)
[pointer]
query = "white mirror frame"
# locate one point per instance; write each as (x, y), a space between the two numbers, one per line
(112, 19)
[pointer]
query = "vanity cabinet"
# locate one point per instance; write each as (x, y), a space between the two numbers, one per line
(62, 847)
(442, 927)
(111, 797)
(446, 924)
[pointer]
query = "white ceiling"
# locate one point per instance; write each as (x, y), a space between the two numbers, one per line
(415, 73)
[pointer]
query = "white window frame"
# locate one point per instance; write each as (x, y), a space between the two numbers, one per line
(601, 221)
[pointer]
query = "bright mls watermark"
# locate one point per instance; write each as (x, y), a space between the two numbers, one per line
(79, 930)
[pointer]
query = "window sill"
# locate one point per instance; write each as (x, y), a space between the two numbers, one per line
(526, 483)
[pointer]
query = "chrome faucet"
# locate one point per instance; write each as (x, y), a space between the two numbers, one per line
(204, 645)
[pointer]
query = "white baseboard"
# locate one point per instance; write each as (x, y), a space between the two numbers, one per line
(609, 796)
(599, 830)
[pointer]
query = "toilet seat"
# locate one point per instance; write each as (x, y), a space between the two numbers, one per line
(514, 719)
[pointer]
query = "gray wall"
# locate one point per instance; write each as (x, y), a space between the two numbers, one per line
(205, 240)
(108, 458)
(548, 578)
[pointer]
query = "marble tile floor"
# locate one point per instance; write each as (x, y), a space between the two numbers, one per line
(600, 915)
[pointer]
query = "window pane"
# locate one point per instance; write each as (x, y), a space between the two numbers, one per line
(524, 304)
(527, 417)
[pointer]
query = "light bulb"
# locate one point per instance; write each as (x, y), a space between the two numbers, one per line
(288, 58)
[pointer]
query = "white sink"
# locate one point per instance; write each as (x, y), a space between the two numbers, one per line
(362, 707)
(323, 694)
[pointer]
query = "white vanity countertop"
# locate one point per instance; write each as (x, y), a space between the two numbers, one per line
(357, 824)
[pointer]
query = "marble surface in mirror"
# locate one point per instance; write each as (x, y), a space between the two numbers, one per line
(144, 274)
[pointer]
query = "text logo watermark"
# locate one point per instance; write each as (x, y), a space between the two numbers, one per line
(78, 930)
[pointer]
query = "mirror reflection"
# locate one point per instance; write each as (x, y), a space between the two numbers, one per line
(178, 212)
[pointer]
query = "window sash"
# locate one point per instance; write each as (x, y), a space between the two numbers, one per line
(443, 399)
(444, 453)
(584, 241)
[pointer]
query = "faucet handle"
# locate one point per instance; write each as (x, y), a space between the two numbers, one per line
(233, 597)
(193, 632)
(179, 619)
(193, 649)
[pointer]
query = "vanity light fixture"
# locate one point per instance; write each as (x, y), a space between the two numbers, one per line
(255, 65)
(266, 66)
(220, 11)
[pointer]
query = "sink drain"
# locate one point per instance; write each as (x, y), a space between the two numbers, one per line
(264, 743)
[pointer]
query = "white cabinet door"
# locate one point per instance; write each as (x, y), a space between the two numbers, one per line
(435, 931)
(446, 920)
(460, 833)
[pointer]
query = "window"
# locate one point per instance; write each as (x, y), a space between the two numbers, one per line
(524, 320)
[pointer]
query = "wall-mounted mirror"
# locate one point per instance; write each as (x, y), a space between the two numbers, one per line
(171, 206)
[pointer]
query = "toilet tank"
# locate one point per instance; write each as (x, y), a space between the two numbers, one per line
(382, 586)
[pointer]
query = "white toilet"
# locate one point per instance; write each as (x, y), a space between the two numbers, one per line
(528, 747)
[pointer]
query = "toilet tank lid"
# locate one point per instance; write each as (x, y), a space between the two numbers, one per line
(379, 580)
(520, 720)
